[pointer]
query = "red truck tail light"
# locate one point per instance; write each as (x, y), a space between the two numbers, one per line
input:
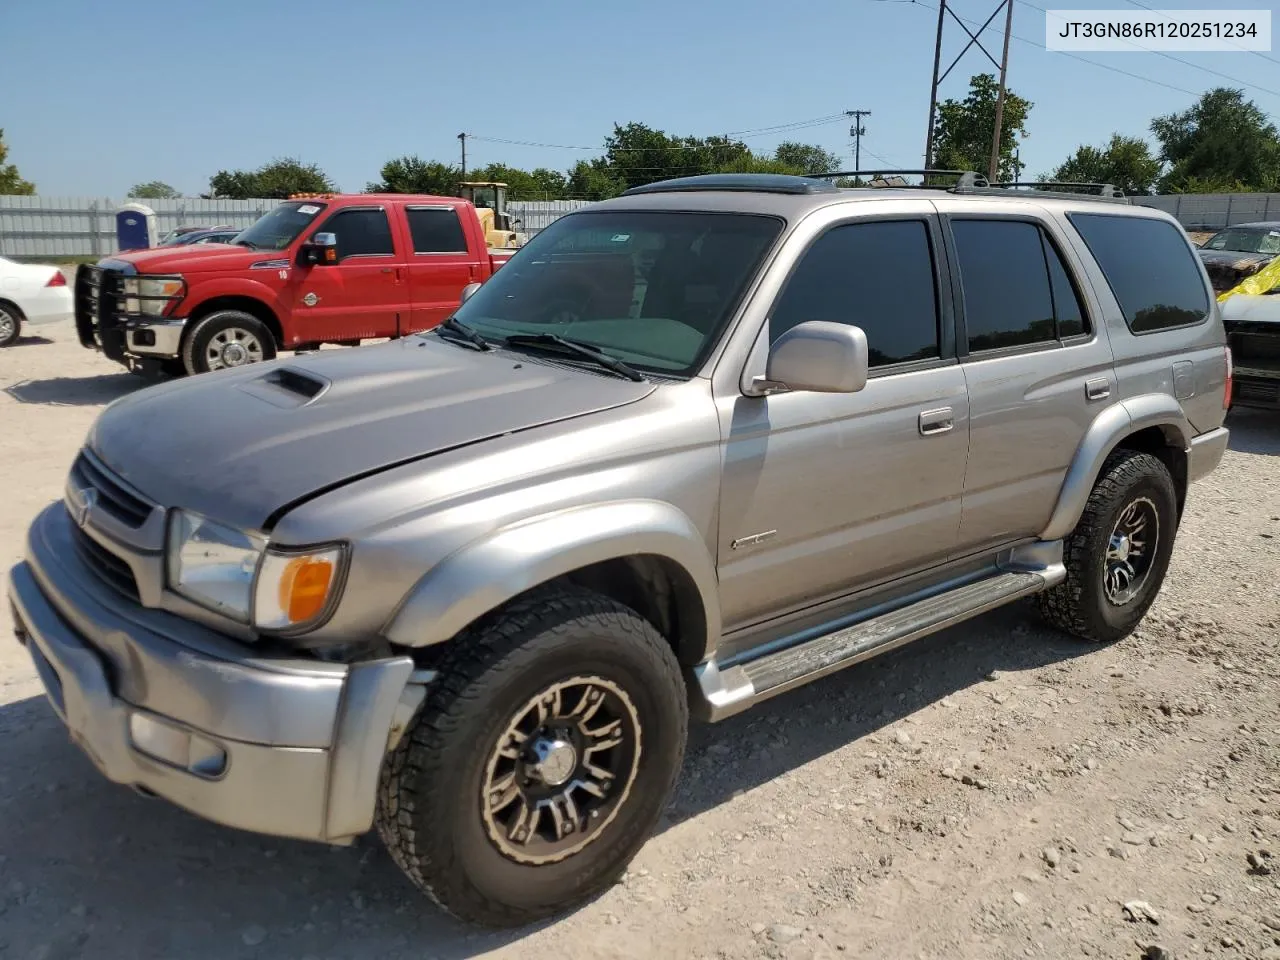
(1226, 392)
(57, 280)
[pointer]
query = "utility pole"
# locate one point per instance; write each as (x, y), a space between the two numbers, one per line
(1002, 65)
(463, 138)
(993, 170)
(856, 131)
(933, 90)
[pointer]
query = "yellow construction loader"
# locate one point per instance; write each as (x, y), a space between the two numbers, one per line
(490, 200)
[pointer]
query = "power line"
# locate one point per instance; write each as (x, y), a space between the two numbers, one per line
(1179, 60)
(1256, 53)
(755, 132)
(1072, 56)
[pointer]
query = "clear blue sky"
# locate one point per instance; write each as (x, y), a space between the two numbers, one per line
(235, 82)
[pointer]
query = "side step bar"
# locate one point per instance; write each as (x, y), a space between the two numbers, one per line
(743, 685)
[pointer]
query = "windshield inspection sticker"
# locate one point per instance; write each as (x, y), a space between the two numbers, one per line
(310, 209)
(620, 237)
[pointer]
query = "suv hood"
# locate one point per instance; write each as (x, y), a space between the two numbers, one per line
(242, 445)
(194, 259)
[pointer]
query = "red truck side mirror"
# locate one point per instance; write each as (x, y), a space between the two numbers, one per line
(319, 250)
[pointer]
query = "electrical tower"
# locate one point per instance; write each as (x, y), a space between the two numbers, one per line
(993, 166)
(856, 131)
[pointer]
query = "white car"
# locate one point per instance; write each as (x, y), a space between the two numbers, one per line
(31, 293)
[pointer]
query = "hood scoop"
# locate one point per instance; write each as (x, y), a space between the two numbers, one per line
(286, 387)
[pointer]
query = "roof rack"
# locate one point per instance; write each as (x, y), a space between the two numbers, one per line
(970, 182)
(741, 182)
(881, 178)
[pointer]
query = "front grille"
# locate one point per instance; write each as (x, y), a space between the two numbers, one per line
(106, 565)
(112, 495)
(97, 309)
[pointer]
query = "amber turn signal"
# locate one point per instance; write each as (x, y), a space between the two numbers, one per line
(304, 587)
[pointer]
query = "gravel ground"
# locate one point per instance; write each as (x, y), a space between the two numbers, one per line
(992, 792)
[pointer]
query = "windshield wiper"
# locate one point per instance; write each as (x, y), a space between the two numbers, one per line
(594, 354)
(457, 331)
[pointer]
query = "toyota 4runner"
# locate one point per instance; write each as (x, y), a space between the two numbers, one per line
(470, 585)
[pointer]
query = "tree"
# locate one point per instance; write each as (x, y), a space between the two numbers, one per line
(275, 180)
(1222, 140)
(594, 180)
(804, 158)
(153, 190)
(538, 184)
(11, 184)
(963, 131)
(1125, 162)
(411, 174)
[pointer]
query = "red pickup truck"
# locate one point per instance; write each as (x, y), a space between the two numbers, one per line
(320, 269)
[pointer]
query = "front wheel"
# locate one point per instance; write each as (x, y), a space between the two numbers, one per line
(1119, 552)
(226, 338)
(541, 761)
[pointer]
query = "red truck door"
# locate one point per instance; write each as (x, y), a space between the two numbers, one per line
(363, 294)
(444, 259)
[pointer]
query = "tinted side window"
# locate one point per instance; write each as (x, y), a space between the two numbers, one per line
(1151, 269)
(877, 276)
(436, 230)
(360, 232)
(1007, 297)
(1066, 303)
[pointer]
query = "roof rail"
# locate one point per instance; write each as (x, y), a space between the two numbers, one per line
(960, 178)
(738, 182)
(1071, 191)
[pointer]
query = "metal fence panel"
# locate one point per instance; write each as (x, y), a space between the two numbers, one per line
(85, 226)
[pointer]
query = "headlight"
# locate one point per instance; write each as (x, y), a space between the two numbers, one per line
(295, 589)
(213, 565)
(151, 296)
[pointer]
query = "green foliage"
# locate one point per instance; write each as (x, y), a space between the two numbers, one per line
(275, 180)
(964, 128)
(802, 158)
(11, 184)
(1222, 141)
(153, 190)
(1125, 162)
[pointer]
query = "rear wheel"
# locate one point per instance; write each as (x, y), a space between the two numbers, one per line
(10, 324)
(227, 338)
(1119, 552)
(541, 762)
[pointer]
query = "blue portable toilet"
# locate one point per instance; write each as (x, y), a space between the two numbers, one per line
(135, 227)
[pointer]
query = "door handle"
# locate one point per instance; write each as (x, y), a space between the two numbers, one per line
(933, 422)
(386, 270)
(1098, 389)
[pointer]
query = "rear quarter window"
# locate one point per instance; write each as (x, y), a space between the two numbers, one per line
(1150, 267)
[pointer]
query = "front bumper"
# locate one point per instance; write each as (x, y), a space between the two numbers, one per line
(289, 747)
(154, 338)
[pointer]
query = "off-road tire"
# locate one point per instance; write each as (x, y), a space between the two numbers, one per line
(196, 342)
(1079, 605)
(429, 806)
(11, 335)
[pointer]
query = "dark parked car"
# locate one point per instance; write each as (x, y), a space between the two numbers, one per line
(1237, 252)
(187, 235)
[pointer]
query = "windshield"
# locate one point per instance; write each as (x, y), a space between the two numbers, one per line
(279, 228)
(1246, 241)
(651, 289)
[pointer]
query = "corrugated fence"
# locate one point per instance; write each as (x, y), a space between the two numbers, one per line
(85, 226)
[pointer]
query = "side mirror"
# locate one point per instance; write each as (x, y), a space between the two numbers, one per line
(820, 357)
(467, 291)
(320, 249)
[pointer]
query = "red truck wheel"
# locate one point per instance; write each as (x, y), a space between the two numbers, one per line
(227, 338)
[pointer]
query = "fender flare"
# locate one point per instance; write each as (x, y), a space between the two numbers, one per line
(492, 570)
(1109, 428)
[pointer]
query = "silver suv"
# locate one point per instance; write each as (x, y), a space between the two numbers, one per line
(688, 449)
